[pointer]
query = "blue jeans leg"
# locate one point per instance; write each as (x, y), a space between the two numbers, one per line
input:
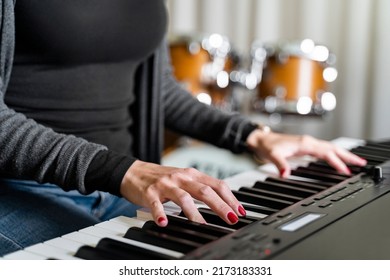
(31, 213)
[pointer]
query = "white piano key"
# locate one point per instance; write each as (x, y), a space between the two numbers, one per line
(49, 251)
(170, 208)
(255, 214)
(145, 214)
(246, 179)
(348, 143)
(129, 222)
(82, 238)
(117, 227)
(99, 231)
(67, 245)
(23, 255)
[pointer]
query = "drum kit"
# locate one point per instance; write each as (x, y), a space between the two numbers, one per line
(285, 78)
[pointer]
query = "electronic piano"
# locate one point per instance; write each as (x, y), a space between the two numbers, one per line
(314, 214)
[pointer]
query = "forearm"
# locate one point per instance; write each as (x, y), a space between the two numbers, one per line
(35, 152)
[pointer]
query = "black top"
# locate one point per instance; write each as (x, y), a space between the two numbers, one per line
(74, 68)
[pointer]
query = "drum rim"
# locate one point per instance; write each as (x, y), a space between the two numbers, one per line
(291, 48)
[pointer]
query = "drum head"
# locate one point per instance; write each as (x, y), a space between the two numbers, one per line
(294, 78)
(202, 65)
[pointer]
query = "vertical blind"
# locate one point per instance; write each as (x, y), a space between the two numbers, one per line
(356, 31)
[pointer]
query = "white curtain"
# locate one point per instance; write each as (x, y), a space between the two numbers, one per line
(356, 31)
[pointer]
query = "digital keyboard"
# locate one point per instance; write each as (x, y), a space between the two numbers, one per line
(314, 214)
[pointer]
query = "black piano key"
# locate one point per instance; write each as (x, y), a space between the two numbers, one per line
(316, 175)
(128, 251)
(326, 171)
(91, 253)
(383, 142)
(316, 182)
(354, 169)
(259, 209)
(382, 145)
(161, 239)
(324, 166)
(284, 188)
(251, 218)
(261, 200)
(358, 169)
(373, 162)
(336, 176)
(320, 164)
(212, 218)
(301, 184)
(371, 158)
(180, 232)
(273, 194)
(374, 146)
(204, 228)
(379, 151)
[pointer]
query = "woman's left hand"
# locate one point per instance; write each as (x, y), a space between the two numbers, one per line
(277, 148)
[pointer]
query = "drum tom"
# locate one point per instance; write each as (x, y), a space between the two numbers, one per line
(292, 78)
(203, 65)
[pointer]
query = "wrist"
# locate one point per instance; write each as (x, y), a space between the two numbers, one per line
(129, 178)
(257, 136)
(138, 174)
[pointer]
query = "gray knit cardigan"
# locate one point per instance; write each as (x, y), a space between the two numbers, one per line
(32, 151)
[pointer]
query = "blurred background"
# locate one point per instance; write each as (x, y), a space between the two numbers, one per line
(355, 31)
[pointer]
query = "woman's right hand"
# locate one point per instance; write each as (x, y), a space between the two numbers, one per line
(150, 185)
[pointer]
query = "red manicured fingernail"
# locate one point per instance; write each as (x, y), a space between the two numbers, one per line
(232, 217)
(241, 210)
(282, 172)
(161, 220)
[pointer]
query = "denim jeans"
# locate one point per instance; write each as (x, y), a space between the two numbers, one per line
(31, 213)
